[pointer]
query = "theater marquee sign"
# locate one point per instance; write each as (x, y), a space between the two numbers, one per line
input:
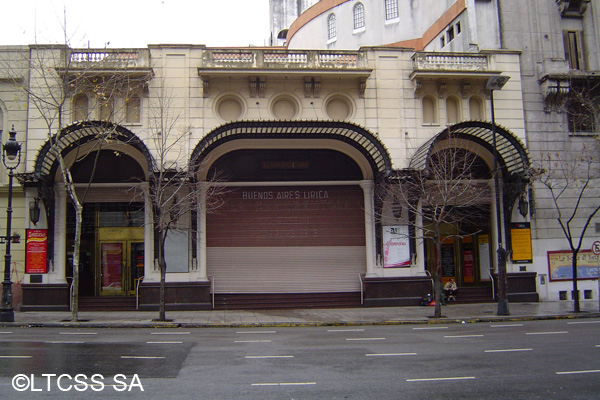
(285, 194)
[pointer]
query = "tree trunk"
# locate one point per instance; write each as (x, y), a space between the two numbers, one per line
(438, 275)
(163, 269)
(575, 290)
(76, 252)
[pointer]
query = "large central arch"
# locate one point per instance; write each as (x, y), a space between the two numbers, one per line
(293, 236)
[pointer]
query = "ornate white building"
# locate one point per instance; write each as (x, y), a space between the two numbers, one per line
(302, 137)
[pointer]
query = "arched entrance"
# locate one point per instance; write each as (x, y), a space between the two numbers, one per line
(296, 223)
(109, 166)
(467, 254)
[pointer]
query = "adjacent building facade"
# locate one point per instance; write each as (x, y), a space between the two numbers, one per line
(302, 139)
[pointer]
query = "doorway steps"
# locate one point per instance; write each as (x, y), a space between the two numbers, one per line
(107, 303)
(258, 301)
(475, 294)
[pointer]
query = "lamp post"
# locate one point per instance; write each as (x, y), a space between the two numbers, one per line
(497, 82)
(11, 151)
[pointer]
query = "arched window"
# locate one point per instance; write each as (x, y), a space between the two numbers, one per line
(430, 115)
(452, 110)
(476, 109)
(132, 109)
(359, 16)
(331, 28)
(391, 9)
(105, 109)
(79, 107)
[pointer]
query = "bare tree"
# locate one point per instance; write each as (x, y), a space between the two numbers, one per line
(173, 190)
(447, 199)
(57, 74)
(571, 179)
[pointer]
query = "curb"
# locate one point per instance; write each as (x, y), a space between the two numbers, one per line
(177, 325)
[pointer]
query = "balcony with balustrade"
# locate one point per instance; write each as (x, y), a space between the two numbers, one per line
(248, 62)
(440, 65)
(133, 63)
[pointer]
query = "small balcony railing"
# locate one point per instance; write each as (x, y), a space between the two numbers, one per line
(450, 62)
(269, 59)
(114, 59)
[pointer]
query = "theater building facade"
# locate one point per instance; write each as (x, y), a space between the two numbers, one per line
(300, 143)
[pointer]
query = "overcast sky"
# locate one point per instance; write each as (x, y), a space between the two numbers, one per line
(135, 23)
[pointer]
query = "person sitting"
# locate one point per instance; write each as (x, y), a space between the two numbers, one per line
(450, 290)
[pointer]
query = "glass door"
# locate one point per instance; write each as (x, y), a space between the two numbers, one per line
(120, 260)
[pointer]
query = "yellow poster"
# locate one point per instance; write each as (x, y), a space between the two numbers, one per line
(520, 234)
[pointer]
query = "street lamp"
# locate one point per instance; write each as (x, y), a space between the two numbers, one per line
(497, 82)
(11, 151)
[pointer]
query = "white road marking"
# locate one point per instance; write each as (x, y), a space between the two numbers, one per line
(390, 354)
(64, 342)
(78, 333)
(547, 333)
(430, 328)
(169, 333)
(16, 356)
(505, 350)
(345, 330)
(462, 336)
(369, 338)
(583, 322)
(164, 342)
(144, 357)
(504, 325)
(285, 384)
(5, 333)
(252, 332)
(252, 341)
(457, 378)
(269, 356)
(591, 371)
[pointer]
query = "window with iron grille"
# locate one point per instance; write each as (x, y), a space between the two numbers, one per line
(359, 16)
(331, 28)
(391, 9)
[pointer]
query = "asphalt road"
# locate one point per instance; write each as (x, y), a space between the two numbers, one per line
(557, 359)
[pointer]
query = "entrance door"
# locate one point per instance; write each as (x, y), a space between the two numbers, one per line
(121, 260)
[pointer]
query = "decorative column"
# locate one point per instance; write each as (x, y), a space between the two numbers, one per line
(58, 269)
(367, 187)
(150, 272)
(201, 223)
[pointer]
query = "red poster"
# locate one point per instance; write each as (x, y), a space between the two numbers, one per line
(468, 263)
(36, 246)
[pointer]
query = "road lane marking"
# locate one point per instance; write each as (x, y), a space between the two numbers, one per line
(389, 354)
(64, 342)
(16, 356)
(456, 378)
(169, 333)
(269, 356)
(5, 333)
(546, 333)
(504, 325)
(430, 328)
(144, 357)
(78, 333)
(591, 371)
(345, 330)
(583, 322)
(462, 336)
(252, 341)
(285, 384)
(505, 350)
(368, 338)
(164, 342)
(252, 332)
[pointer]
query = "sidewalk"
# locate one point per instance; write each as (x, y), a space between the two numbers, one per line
(453, 313)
